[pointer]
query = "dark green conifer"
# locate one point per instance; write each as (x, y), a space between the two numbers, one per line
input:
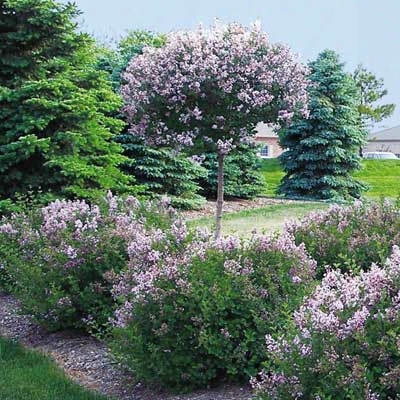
(56, 109)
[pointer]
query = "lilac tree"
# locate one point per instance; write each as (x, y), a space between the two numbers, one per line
(210, 88)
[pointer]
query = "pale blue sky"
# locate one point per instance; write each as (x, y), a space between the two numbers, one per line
(361, 31)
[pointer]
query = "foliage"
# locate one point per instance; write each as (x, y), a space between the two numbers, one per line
(349, 237)
(323, 150)
(215, 298)
(61, 258)
(162, 172)
(212, 87)
(241, 173)
(30, 375)
(344, 343)
(371, 91)
(55, 106)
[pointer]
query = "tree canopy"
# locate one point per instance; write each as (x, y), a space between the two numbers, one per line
(212, 87)
(56, 108)
(371, 90)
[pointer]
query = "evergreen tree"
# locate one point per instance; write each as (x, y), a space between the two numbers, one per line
(323, 150)
(56, 108)
(241, 173)
(160, 170)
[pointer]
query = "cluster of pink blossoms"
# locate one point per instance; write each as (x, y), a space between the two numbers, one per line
(358, 234)
(336, 325)
(214, 85)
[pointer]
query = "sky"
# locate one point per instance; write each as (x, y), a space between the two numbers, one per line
(360, 31)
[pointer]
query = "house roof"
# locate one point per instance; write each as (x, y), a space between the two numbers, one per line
(390, 134)
(263, 130)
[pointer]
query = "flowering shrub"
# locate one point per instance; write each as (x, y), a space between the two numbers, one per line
(345, 342)
(194, 310)
(209, 89)
(349, 237)
(63, 257)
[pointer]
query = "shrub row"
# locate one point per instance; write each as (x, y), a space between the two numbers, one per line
(349, 237)
(134, 273)
(182, 311)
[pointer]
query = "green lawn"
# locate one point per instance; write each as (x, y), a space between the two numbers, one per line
(28, 375)
(383, 177)
(264, 220)
(272, 173)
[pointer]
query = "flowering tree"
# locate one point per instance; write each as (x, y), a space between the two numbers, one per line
(211, 88)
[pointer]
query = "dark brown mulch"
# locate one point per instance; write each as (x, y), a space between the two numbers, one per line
(234, 205)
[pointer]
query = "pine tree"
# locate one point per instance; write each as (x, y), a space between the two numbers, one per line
(241, 173)
(323, 150)
(56, 108)
(162, 172)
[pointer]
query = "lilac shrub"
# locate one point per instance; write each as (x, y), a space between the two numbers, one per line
(194, 311)
(209, 89)
(201, 79)
(64, 257)
(344, 343)
(350, 237)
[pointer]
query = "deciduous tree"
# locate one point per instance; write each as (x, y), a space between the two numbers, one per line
(212, 86)
(371, 90)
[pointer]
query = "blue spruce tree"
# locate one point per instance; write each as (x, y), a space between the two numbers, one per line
(323, 150)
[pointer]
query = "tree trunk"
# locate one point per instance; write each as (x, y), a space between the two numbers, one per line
(220, 196)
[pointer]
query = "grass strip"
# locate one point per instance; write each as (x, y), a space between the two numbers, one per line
(29, 375)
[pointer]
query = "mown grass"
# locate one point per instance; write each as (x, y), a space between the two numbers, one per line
(382, 176)
(28, 375)
(265, 220)
(272, 172)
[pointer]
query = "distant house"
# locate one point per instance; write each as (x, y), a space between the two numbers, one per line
(385, 140)
(268, 141)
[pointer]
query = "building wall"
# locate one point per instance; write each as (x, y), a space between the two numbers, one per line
(274, 150)
(383, 145)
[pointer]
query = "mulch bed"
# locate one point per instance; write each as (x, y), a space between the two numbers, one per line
(235, 205)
